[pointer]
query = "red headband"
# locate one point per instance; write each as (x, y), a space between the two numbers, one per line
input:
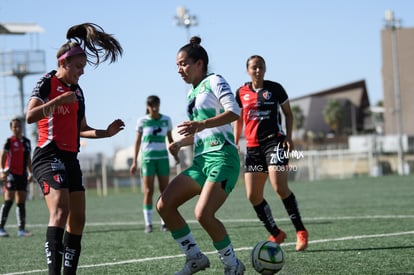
(73, 51)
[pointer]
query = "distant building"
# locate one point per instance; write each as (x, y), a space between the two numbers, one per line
(405, 59)
(355, 102)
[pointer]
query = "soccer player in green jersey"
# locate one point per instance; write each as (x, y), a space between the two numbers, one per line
(216, 164)
(152, 130)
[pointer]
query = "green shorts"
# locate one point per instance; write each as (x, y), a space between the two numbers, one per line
(221, 166)
(152, 167)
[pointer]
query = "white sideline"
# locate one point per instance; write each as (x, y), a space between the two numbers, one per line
(241, 220)
(240, 248)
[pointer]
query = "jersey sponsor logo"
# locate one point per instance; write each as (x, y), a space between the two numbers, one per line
(60, 89)
(258, 115)
(156, 130)
(246, 97)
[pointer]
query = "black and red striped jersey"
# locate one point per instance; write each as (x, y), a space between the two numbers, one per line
(261, 111)
(18, 152)
(63, 124)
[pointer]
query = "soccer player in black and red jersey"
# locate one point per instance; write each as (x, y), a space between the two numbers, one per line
(267, 148)
(16, 173)
(57, 105)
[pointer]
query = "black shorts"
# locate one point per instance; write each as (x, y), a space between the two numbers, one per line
(270, 153)
(57, 169)
(16, 182)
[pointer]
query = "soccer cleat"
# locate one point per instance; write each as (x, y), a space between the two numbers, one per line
(193, 265)
(237, 269)
(163, 228)
(279, 238)
(301, 240)
(148, 228)
(3, 233)
(24, 233)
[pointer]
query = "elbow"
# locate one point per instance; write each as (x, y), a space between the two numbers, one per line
(234, 116)
(30, 118)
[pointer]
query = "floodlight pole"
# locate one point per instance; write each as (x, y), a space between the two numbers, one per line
(20, 73)
(184, 19)
(392, 24)
(20, 70)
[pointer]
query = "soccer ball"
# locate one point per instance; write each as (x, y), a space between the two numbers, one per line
(267, 257)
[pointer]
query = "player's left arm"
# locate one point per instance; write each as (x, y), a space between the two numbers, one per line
(170, 141)
(3, 160)
(29, 168)
(113, 128)
(287, 111)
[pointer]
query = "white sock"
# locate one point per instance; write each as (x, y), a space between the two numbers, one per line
(227, 256)
(147, 216)
(188, 245)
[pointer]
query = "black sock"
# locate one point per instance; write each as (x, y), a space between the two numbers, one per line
(21, 215)
(54, 249)
(264, 213)
(4, 211)
(72, 245)
(292, 209)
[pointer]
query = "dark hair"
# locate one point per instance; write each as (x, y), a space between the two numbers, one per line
(195, 51)
(16, 119)
(253, 57)
(97, 45)
(152, 100)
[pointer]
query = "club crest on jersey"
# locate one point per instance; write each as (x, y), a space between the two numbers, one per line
(267, 95)
(78, 92)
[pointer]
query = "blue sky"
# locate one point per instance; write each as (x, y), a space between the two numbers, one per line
(309, 46)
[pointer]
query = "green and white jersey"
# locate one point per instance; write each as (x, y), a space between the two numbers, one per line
(154, 132)
(210, 98)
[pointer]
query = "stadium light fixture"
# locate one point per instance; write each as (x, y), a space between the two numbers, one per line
(184, 19)
(392, 24)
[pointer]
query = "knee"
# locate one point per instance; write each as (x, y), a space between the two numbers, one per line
(76, 226)
(160, 206)
(255, 198)
(58, 217)
(202, 216)
(283, 192)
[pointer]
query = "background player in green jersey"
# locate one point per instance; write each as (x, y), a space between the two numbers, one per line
(216, 163)
(152, 129)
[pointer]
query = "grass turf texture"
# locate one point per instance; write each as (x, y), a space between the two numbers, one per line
(356, 226)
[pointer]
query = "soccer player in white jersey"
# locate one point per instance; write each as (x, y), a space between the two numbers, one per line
(152, 130)
(216, 164)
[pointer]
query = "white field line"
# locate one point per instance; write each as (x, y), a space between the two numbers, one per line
(241, 220)
(348, 238)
